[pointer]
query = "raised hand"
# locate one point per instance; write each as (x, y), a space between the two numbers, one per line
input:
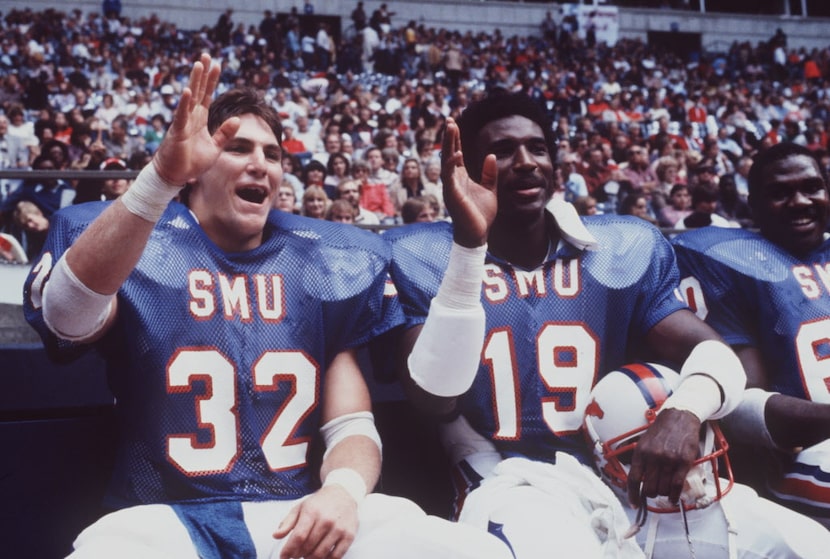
(472, 205)
(188, 148)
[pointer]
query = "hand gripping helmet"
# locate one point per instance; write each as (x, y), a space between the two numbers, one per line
(623, 405)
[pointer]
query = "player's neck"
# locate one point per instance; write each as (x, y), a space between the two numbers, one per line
(525, 245)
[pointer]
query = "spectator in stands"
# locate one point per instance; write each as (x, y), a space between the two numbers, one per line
(154, 133)
(731, 206)
(374, 195)
(409, 186)
(48, 194)
(666, 170)
(678, 208)
(705, 198)
(635, 203)
(418, 209)
(314, 174)
(89, 190)
(121, 140)
(291, 174)
(315, 203)
(585, 205)
(341, 211)
(33, 226)
(338, 169)
(286, 200)
(596, 173)
(290, 143)
(349, 189)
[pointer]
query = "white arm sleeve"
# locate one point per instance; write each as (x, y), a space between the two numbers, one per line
(446, 355)
(70, 309)
(748, 422)
(712, 381)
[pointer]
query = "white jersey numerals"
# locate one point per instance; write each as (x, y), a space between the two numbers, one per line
(567, 364)
(217, 410)
(812, 344)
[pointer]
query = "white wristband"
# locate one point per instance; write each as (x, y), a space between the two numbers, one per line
(461, 286)
(699, 394)
(149, 195)
(348, 479)
(717, 361)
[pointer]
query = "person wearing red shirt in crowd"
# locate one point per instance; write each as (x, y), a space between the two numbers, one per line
(289, 142)
(596, 172)
(373, 194)
(696, 112)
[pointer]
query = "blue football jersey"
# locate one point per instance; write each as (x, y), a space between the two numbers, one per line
(551, 331)
(217, 360)
(755, 293)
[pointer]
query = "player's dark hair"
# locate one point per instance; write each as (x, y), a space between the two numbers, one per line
(243, 101)
(767, 157)
(497, 105)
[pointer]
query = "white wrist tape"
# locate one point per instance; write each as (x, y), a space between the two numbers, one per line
(357, 423)
(716, 360)
(748, 422)
(698, 394)
(349, 480)
(70, 309)
(461, 286)
(149, 195)
(446, 355)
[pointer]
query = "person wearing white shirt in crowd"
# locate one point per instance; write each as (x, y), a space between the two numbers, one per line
(308, 132)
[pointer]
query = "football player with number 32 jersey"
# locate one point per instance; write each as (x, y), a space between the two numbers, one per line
(230, 331)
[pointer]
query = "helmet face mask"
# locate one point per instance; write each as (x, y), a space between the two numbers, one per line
(624, 403)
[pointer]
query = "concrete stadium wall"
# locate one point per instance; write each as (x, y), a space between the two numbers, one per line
(512, 18)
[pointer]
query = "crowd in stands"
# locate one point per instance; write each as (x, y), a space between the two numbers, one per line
(640, 130)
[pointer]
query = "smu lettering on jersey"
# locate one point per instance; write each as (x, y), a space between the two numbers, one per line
(551, 331)
(755, 293)
(217, 360)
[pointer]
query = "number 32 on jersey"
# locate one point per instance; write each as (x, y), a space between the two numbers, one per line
(216, 410)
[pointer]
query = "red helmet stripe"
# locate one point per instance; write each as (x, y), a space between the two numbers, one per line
(651, 383)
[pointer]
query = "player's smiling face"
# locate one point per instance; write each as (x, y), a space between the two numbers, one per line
(525, 169)
(233, 197)
(794, 208)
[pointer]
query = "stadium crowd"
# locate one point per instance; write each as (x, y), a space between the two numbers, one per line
(91, 91)
(362, 127)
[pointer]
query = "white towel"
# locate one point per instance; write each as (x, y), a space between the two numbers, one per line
(608, 519)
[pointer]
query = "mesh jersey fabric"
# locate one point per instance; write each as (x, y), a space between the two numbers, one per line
(550, 332)
(217, 360)
(754, 292)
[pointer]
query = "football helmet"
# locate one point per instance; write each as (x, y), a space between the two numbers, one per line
(623, 404)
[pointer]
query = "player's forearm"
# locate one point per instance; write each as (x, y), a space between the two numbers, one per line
(107, 252)
(358, 454)
(795, 423)
(447, 353)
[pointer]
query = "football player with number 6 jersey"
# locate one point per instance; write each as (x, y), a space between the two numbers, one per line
(768, 294)
(231, 332)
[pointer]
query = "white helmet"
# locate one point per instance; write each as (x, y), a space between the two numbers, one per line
(623, 405)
